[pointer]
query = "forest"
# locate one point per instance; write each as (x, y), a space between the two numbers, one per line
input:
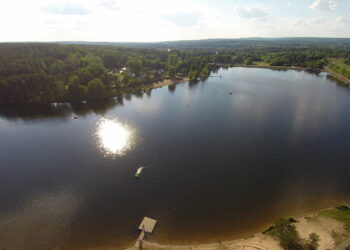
(61, 72)
(42, 73)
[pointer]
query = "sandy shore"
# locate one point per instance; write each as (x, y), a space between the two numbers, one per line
(333, 234)
(166, 82)
(258, 241)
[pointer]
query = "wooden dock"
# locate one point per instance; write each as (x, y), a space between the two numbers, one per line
(147, 226)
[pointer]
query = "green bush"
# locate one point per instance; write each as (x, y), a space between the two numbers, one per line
(285, 231)
(313, 241)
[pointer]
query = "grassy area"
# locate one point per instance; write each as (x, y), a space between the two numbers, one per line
(341, 63)
(341, 213)
(339, 69)
(267, 66)
(262, 64)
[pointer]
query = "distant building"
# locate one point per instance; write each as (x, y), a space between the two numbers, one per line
(123, 69)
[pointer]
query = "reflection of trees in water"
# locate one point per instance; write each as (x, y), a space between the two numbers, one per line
(139, 94)
(31, 111)
(192, 84)
(172, 88)
(128, 97)
(57, 110)
(65, 110)
(315, 72)
(98, 107)
(148, 92)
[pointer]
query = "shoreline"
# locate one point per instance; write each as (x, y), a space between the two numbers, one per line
(165, 82)
(270, 67)
(337, 76)
(141, 88)
(174, 81)
(333, 233)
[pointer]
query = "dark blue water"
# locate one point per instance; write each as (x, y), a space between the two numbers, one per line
(221, 165)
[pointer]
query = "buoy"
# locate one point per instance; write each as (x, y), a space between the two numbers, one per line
(138, 172)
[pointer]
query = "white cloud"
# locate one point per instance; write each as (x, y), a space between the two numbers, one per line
(299, 22)
(310, 21)
(159, 20)
(65, 8)
(109, 4)
(66, 24)
(342, 19)
(316, 20)
(325, 5)
(182, 19)
(254, 11)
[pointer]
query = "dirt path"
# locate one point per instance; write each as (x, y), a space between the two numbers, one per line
(257, 242)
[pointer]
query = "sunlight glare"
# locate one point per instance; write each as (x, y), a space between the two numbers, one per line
(114, 138)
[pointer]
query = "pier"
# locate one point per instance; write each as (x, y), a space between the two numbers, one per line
(147, 226)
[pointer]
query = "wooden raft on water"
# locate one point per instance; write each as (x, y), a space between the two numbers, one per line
(147, 226)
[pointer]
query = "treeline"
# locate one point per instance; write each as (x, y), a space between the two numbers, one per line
(41, 73)
(307, 58)
(239, 43)
(44, 72)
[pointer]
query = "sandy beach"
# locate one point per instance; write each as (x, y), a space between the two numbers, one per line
(333, 233)
(167, 82)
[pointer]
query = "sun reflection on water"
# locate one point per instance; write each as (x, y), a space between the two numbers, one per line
(114, 138)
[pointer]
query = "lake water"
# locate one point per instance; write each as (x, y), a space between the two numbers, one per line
(226, 157)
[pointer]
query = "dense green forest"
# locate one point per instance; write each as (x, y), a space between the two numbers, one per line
(48, 72)
(237, 43)
(39, 73)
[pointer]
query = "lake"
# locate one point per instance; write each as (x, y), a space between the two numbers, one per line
(224, 158)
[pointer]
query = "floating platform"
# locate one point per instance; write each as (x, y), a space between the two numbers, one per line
(147, 226)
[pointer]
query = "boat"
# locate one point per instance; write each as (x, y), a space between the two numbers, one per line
(138, 172)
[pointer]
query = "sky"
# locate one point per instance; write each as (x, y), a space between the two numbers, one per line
(167, 20)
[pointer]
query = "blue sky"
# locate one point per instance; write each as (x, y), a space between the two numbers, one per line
(164, 20)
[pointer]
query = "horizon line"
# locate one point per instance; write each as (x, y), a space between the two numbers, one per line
(165, 41)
